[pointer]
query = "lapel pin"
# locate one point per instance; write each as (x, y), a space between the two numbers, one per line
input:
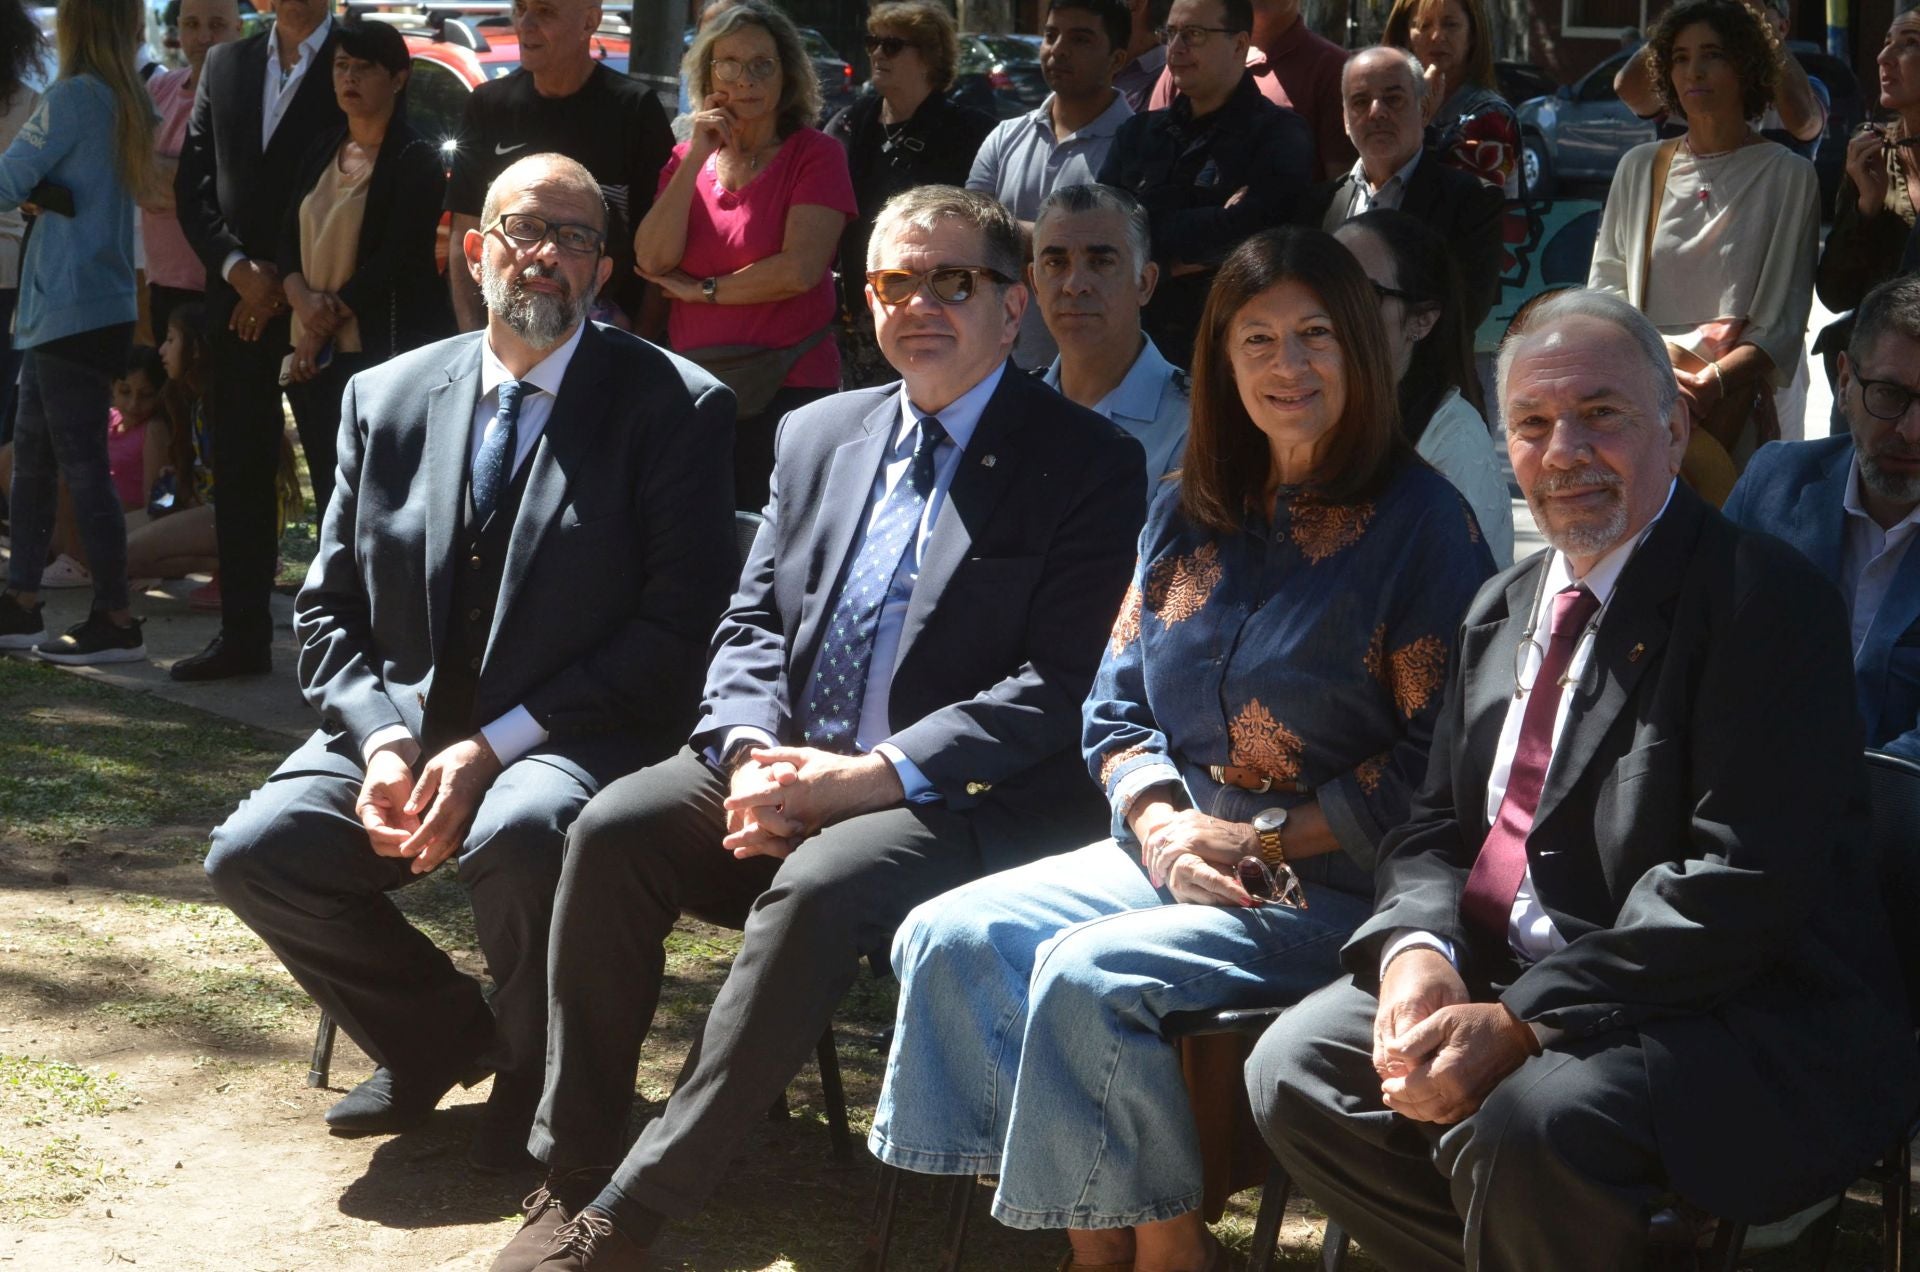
(987, 461)
(1633, 655)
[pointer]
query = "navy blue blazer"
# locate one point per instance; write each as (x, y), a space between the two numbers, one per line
(1021, 579)
(1794, 490)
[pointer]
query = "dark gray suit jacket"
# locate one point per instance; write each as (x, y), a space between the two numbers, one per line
(1022, 577)
(1701, 843)
(619, 561)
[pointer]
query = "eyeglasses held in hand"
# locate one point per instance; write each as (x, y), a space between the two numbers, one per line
(528, 232)
(1885, 399)
(730, 70)
(887, 45)
(1269, 883)
(1193, 36)
(950, 284)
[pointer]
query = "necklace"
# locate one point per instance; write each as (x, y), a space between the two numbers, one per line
(1705, 193)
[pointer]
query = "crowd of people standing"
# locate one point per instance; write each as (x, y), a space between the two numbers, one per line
(1131, 624)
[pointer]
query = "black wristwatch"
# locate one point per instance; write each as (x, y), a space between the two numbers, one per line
(709, 287)
(1268, 826)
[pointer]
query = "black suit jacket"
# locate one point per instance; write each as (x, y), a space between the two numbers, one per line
(1022, 577)
(231, 195)
(619, 560)
(1463, 209)
(1701, 843)
(396, 290)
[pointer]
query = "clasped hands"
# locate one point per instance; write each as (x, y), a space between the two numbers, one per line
(783, 794)
(321, 316)
(261, 297)
(1438, 1054)
(424, 819)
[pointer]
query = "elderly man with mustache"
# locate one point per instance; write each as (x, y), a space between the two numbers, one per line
(1851, 504)
(1630, 939)
(530, 544)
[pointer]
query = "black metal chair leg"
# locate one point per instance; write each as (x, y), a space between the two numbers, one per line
(1333, 1248)
(959, 1205)
(835, 1095)
(886, 1193)
(1728, 1239)
(1895, 1197)
(321, 1065)
(1266, 1227)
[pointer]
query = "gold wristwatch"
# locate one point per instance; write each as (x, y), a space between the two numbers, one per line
(1268, 826)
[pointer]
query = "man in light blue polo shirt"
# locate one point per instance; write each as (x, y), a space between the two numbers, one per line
(1092, 273)
(1064, 140)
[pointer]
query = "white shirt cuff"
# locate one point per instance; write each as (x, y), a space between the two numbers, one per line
(739, 733)
(226, 268)
(1414, 938)
(513, 735)
(918, 789)
(383, 737)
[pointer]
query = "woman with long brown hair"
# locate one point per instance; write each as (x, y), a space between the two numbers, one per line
(82, 158)
(1260, 717)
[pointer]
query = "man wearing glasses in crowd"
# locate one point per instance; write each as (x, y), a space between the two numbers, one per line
(1851, 504)
(892, 709)
(530, 544)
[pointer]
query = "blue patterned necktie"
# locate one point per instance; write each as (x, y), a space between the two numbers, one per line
(830, 713)
(493, 466)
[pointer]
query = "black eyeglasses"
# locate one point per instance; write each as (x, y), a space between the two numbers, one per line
(1194, 36)
(1885, 399)
(950, 284)
(1383, 292)
(1270, 883)
(528, 232)
(888, 45)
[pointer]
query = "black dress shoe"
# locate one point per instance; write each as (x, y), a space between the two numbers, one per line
(389, 1102)
(499, 1144)
(225, 658)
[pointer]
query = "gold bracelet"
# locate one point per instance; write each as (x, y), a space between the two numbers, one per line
(1719, 379)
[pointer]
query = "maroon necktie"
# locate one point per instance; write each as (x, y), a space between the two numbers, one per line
(1487, 902)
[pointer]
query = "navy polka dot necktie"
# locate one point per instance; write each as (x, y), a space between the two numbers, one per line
(493, 466)
(830, 712)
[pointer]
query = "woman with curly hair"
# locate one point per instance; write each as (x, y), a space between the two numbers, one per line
(1475, 129)
(1713, 235)
(1258, 722)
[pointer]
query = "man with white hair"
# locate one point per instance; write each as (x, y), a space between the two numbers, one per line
(1383, 95)
(1092, 274)
(531, 542)
(1629, 943)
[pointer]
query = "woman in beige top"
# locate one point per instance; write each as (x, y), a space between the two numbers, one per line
(357, 249)
(1727, 273)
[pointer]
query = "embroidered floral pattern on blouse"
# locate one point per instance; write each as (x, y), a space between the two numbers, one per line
(1264, 745)
(1322, 529)
(1375, 659)
(1416, 672)
(1126, 626)
(1369, 772)
(1109, 765)
(1178, 587)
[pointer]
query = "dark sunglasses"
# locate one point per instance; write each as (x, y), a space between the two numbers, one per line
(950, 284)
(1266, 883)
(887, 45)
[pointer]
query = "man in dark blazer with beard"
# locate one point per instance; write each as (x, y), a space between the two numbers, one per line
(1630, 945)
(531, 542)
(892, 709)
(1384, 97)
(261, 103)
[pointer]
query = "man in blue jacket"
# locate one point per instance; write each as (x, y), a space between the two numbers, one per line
(1852, 505)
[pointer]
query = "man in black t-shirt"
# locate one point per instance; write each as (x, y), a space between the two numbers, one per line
(561, 101)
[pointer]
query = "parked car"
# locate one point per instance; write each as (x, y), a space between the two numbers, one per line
(1009, 66)
(1522, 81)
(1577, 135)
(834, 72)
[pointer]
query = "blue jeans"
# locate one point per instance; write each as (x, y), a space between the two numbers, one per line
(1028, 1041)
(61, 431)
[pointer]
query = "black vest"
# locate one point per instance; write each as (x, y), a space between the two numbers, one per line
(479, 562)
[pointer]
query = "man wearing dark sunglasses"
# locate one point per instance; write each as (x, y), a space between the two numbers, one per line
(893, 708)
(1851, 504)
(510, 607)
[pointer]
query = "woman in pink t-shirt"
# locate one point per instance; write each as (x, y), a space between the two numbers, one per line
(744, 227)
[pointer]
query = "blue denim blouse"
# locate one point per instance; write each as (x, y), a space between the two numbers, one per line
(1313, 651)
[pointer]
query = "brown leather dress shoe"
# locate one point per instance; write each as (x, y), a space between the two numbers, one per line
(549, 1208)
(589, 1241)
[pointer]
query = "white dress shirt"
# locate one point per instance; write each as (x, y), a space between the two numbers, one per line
(276, 94)
(517, 732)
(1870, 557)
(960, 419)
(1531, 932)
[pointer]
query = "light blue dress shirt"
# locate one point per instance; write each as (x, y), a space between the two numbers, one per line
(1150, 403)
